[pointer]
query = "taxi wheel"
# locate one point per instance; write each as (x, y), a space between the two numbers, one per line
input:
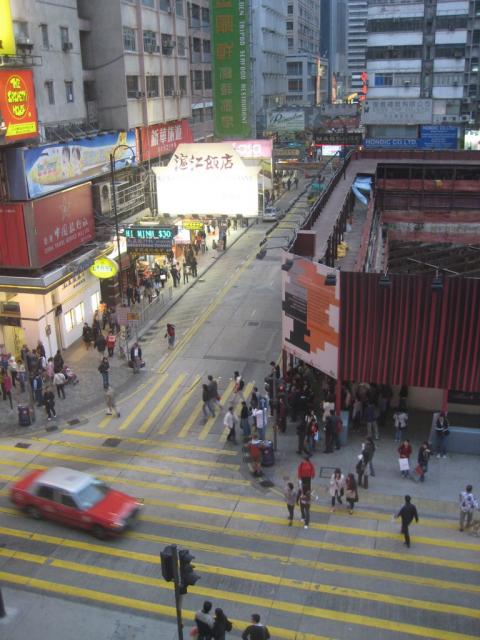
(99, 532)
(34, 512)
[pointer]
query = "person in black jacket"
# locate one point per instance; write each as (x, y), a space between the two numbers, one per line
(204, 622)
(221, 625)
(407, 513)
(136, 357)
(256, 631)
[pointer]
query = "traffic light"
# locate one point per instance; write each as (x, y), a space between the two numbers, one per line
(166, 558)
(187, 575)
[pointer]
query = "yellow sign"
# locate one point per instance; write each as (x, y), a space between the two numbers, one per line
(104, 268)
(7, 39)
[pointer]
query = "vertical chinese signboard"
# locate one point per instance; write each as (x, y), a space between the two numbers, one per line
(231, 68)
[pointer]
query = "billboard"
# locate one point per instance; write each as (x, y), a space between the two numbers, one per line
(388, 111)
(158, 140)
(286, 121)
(311, 314)
(257, 153)
(431, 137)
(207, 179)
(59, 223)
(231, 68)
(7, 38)
(13, 237)
(17, 104)
(56, 166)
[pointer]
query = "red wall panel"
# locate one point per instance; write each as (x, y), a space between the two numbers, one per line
(13, 239)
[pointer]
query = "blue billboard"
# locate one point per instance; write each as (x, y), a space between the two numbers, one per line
(430, 137)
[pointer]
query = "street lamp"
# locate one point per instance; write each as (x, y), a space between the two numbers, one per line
(115, 213)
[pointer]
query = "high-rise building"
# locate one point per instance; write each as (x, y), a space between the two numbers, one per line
(333, 45)
(200, 69)
(356, 43)
(424, 56)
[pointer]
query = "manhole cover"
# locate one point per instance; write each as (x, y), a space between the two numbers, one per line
(326, 472)
(52, 428)
(23, 445)
(74, 421)
(252, 324)
(112, 442)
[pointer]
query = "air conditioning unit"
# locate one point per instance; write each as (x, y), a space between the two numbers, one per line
(23, 43)
(459, 54)
(102, 197)
(139, 94)
(465, 118)
(451, 27)
(406, 83)
(152, 94)
(455, 83)
(67, 46)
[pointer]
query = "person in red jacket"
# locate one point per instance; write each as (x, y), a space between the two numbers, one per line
(305, 473)
(404, 452)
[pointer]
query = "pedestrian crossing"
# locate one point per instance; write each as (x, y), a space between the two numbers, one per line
(314, 585)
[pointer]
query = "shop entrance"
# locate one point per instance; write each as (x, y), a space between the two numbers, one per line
(14, 339)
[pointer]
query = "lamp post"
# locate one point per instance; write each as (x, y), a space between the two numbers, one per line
(115, 212)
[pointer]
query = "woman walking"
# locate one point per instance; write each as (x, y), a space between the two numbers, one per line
(422, 460)
(170, 335)
(336, 487)
(305, 498)
(442, 432)
(221, 625)
(290, 498)
(245, 421)
(351, 492)
(404, 453)
(59, 380)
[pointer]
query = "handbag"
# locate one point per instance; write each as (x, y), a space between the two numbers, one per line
(404, 464)
(419, 470)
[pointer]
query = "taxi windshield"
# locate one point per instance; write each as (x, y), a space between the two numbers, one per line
(91, 495)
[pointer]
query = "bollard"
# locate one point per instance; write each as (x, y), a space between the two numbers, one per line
(3, 613)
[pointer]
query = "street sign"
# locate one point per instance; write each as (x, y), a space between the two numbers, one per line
(150, 238)
(338, 137)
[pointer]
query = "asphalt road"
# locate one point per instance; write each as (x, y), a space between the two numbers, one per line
(346, 577)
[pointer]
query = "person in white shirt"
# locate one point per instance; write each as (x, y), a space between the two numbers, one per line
(468, 504)
(229, 422)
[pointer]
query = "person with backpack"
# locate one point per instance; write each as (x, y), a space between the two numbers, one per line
(204, 622)
(468, 504)
(256, 630)
(221, 625)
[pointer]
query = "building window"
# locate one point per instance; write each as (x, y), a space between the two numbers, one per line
(206, 47)
(132, 87)
(179, 10)
(205, 17)
(182, 83)
(45, 40)
(20, 30)
(194, 15)
(152, 87)
(290, 10)
(295, 85)
(294, 68)
(167, 44)
(197, 80)
(209, 113)
(149, 3)
(165, 5)
(129, 40)
(384, 79)
(289, 26)
(181, 46)
(95, 300)
(90, 90)
(168, 85)
(149, 41)
(50, 93)
(207, 79)
(290, 43)
(75, 317)
(64, 39)
(69, 90)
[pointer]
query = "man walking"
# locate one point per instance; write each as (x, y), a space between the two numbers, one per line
(256, 631)
(229, 422)
(407, 513)
(110, 402)
(468, 504)
(213, 392)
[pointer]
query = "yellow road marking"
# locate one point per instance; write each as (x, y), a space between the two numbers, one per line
(247, 392)
(105, 421)
(178, 408)
(162, 404)
(142, 605)
(191, 420)
(211, 421)
(278, 605)
(155, 443)
(123, 465)
(119, 400)
(232, 552)
(143, 403)
(138, 454)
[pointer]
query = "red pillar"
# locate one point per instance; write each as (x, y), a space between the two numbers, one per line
(338, 397)
(444, 407)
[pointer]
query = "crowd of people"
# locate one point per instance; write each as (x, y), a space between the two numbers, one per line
(215, 626)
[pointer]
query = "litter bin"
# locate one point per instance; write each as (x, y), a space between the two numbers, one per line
(268, 455)
(24, 419)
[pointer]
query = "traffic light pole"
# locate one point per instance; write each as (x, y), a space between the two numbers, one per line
(178, 596)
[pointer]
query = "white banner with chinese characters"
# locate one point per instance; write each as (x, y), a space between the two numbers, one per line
(207, 179)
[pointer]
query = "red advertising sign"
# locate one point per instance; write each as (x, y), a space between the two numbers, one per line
(62, 222)
(162, 139)
(17, 104)
(13, 239)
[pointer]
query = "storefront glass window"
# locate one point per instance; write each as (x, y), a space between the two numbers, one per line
(95, 300)
(74, 317)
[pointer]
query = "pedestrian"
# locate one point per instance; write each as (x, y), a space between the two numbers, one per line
(22, 375)
(206, 407)
(60, 380)
(468, 504)
(371, 419)
(289, 184)
(261, 420)
(442, 432)
(87, 335)
(204, 622)
(37, 388)
(185, 272)
(336, 487)
(407, 513)
(50, 369)
(282, 417)
(110, 402)
(13, 369)
(49, 401)
(95, 327)
(256, 630)
(295, 180)
(311, 430)
(238, 387)
(221, 625)
(400, 420)
(136, 357)
(362, 470)
(170, 335)
(368, 447)
(245, 420)
(103, 368)
(101, 343)
(290, 498)
(111, 340)
(329, 429)
(129, 295)
(304, 500)
(229, 422)
(7, 385)
(175, 276)
(351, 492)
(404, 453)
(213, 392)
(41, 349)
(253, 447)
(422, 460)
(58, 362)
(305, 473)
(193, 265)
(114, 321)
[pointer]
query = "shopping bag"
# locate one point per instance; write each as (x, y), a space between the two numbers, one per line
(404, 466)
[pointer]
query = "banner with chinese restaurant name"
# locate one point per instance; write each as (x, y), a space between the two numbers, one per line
(17, 104)
(231, 68)
(158, 140)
